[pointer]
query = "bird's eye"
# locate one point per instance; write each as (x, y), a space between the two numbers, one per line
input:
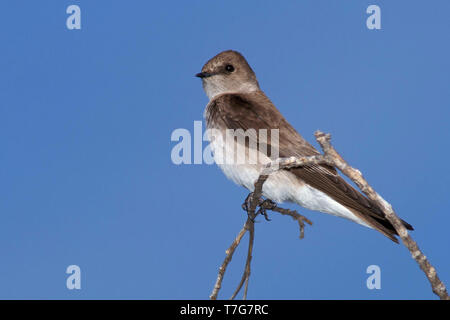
(229, 68)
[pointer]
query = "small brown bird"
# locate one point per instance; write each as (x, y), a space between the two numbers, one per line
(237, 103)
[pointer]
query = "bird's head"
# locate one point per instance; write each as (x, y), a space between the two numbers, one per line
(228, 72)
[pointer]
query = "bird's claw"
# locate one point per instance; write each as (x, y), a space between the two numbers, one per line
(247, 202)
(264, 205)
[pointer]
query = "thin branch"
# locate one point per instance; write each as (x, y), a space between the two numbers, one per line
(296, 216)
(331, 155)
(332, 158)
(246, 275)
(229, 254)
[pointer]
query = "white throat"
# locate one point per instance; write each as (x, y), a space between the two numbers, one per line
(215, 88)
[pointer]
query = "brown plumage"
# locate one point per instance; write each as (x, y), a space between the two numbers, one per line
(251, 109)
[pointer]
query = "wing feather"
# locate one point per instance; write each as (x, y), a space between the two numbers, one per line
(256, 111)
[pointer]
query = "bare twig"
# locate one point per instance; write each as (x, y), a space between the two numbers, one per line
(246, 275)
(229, 254)
(332, 158)
(331, 155)
(296, 216)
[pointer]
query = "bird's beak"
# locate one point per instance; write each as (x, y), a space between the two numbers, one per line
(203, 75)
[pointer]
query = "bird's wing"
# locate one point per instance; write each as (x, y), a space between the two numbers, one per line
(255, 111)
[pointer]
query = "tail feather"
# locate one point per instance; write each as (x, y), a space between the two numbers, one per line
(381, 223)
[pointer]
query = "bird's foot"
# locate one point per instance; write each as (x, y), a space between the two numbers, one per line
(263, 204)
(247, 202)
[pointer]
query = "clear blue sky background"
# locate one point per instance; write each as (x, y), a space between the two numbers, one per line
(86, 117)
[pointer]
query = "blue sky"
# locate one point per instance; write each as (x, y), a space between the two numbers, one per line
(86, 117)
